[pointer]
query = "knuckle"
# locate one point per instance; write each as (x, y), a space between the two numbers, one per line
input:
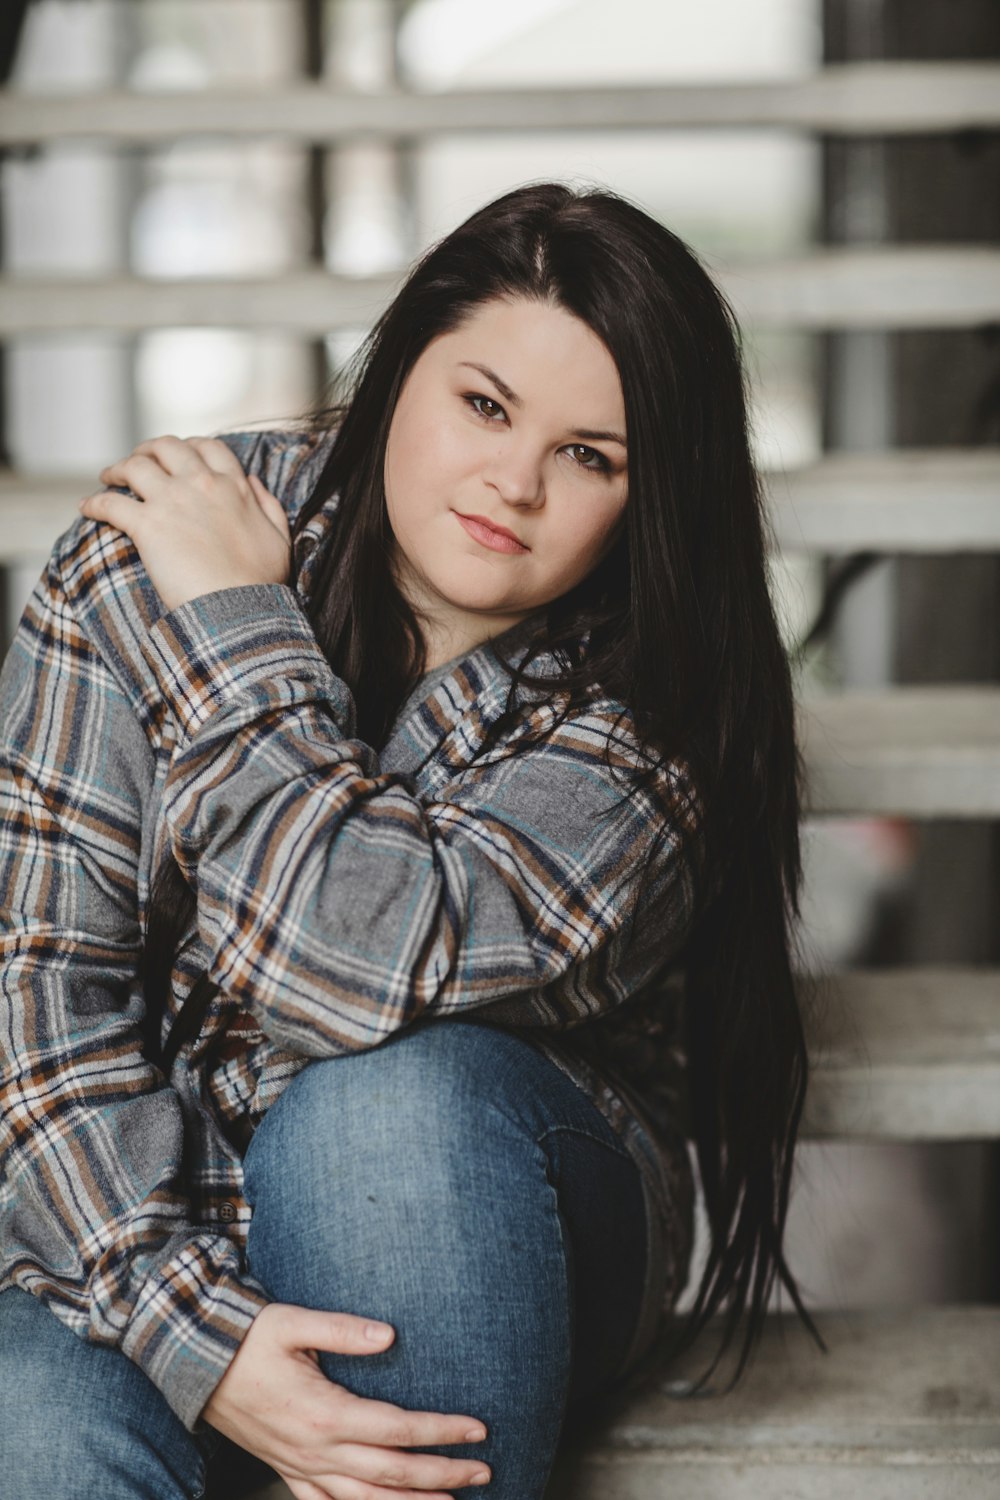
(392, 1474)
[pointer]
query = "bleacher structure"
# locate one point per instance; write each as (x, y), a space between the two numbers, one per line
(906, 1406)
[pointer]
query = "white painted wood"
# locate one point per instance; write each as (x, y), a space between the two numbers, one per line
(930, 752)
(906, 1406)
(905, 286)
(310, 303)
(907, 500)
(836, 287)
(885, 98)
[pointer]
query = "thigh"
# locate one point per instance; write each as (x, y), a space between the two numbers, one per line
(81, 1419)
(456, 1183)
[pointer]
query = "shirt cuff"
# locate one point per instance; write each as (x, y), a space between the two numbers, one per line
(221, 647)
(188, 1325)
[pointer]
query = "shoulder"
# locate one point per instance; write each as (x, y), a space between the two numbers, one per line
(102, 579)
(287, 460)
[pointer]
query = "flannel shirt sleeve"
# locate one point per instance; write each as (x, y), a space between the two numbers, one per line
(93, 1215)
(341, 906)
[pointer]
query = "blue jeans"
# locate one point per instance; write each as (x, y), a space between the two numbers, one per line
(453, 1182)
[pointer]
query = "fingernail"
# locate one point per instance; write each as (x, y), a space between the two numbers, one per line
(475, 1435)
(481, 1478)
(377, 1332)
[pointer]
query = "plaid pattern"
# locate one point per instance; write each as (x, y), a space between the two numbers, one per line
(342, 893)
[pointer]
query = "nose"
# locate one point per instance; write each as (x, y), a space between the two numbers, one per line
(517, 477)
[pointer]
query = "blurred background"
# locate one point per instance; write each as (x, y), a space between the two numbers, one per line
(205, 203)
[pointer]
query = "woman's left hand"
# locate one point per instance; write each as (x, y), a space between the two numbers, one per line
(200, 523)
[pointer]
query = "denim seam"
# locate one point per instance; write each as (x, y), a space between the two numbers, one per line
(590, 1135)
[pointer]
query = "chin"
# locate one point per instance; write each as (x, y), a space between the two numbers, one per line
(456, 590)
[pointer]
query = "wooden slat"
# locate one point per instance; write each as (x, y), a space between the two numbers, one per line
(907, 500)
(884, 98)
(308, 303)
(919, 286)
(925, 752)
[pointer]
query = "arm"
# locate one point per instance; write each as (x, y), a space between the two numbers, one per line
(339, 905)
(94, 1220)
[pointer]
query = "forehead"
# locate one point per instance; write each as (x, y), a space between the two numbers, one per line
(541, 351)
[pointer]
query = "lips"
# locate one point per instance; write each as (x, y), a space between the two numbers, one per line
(497, 538)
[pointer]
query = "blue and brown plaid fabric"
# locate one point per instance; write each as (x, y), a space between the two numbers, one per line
(343, 891)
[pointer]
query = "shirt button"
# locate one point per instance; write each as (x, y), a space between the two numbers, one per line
(228, 1212)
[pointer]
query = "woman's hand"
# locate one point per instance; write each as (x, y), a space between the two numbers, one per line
(275, 1401)
(200, 522)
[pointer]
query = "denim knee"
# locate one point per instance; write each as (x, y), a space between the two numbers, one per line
(406, 1183)
(418, 1183)
(412, 1132)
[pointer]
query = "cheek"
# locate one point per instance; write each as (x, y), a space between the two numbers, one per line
(591, 542)
(422, 459)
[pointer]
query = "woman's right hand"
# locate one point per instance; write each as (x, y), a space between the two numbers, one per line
(275, 1401)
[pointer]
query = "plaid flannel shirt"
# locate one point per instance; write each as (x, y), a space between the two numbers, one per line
(342, 892)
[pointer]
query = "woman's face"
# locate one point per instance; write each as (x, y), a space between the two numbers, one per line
(537, 446)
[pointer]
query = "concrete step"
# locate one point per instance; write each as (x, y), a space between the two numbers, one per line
(906, 1406)
(897, 500)
(905, 1054)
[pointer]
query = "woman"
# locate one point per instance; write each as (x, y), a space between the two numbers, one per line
(398, 757)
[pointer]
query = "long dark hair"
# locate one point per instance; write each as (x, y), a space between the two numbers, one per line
(682, 631)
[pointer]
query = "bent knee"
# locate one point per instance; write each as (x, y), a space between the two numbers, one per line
(438, 1082)
(410, 1131)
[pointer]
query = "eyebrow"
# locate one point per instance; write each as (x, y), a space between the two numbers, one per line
(515, 400)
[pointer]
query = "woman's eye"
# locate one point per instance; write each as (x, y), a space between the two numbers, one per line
(595, 462)
(472, 399)
(601, 466)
